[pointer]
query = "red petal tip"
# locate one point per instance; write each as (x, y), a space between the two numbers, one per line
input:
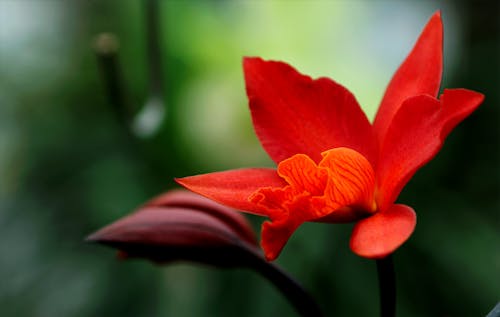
(420, 73)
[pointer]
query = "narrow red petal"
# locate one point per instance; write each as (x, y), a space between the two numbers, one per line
(419, 74)
(416, 135)
(381, 234)
(233, 188)
(293, 113)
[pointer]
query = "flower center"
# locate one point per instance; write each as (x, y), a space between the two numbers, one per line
(342, 180)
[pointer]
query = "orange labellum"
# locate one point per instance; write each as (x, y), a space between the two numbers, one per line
(343, 178)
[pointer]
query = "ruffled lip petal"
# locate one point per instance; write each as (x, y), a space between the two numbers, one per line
(234, 187)
(381, 234)
(293, 113)
(341, 185)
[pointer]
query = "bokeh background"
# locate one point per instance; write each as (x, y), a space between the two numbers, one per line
(70, 163)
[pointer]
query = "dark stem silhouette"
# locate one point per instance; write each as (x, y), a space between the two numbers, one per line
(387, 286)
(297, 296)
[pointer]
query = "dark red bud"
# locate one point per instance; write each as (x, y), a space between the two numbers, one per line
(181, 225)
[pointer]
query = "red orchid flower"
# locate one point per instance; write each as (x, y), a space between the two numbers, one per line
(333, 164)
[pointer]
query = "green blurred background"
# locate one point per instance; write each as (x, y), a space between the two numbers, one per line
(69, 166)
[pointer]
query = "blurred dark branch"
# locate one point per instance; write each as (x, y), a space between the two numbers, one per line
(154, 51)
(147, 121)
(297, 296)
(106, 48)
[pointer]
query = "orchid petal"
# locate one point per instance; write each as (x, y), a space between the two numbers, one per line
(419, 74)
(233, 188)
(293, 113)
(416, 135)
(381, 234)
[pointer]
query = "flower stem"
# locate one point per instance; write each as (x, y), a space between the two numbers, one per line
(106, 47)
(301, 300)
(387, 286)
(154, 51)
